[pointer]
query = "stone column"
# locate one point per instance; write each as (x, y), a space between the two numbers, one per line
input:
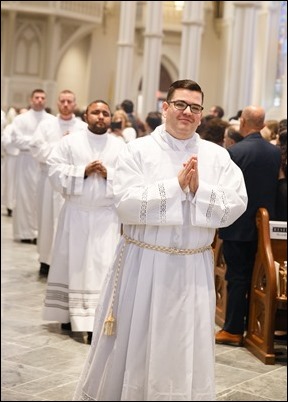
(7, 62)
(192, 26)
(240, 78)
(51, 53)
(9, 46)
(152, 57)
(125, 50)
(268, 47)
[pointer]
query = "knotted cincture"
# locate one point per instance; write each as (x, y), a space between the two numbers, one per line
(110, 322)
(110, 325)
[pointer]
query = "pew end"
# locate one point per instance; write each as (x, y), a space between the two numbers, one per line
(267, 308)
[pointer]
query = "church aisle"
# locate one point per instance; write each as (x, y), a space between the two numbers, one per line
(41, 362)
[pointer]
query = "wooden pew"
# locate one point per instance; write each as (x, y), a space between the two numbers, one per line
(220, 282)
(267, 310)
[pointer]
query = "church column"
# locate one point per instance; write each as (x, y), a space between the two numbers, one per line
(125, 50)
(192, 26)
(51, 52)
(7, 62)
(10, 44)
(266, 66)
(152, 56)
(283, 104)
(240, 78)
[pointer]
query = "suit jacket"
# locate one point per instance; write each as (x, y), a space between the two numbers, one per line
(260, 163)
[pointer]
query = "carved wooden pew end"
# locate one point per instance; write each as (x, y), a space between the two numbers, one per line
(268, 302)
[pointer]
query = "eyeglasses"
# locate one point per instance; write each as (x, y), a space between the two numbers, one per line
(182, 105)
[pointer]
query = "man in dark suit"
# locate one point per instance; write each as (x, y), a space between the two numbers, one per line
(260, 163)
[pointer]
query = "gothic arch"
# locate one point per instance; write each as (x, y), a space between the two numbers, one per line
(28, 40)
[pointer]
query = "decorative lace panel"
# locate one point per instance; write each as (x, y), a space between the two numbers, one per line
(162, 203)
(211, 205)
(144, 204)
(226, 208)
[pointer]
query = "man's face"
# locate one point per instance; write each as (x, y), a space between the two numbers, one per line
(38, 101)
(182, 124)
(66, 105)
(213, 112)
(98, 118)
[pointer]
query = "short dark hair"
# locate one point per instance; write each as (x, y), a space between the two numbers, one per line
(97, 101)
(154, 119)
(234, 134)
(184, 84)
(220, 111)
(37, 90)
(214, 130)
(127, 105)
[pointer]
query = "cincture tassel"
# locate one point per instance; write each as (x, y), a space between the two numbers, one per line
(110, 322)
(110, 325)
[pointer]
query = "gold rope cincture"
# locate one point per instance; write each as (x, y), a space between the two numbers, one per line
(110, 322)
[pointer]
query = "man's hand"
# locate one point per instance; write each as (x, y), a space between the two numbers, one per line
(188, 176)
(96, 167)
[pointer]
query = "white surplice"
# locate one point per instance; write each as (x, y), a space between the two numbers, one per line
(164, 304)
(88, 228)
(49, 201)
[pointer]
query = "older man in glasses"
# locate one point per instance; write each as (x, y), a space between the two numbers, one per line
(154, 330)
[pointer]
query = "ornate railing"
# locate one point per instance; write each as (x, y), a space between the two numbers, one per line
(91, 11)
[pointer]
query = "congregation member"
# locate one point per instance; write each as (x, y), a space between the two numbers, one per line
(281, 199)
(216, 111)
(81, 168)
(25, 225)
(152, 120)
(259, 161)
(153, 336)
(49, 200)
(231, 136)
(128, 106)
(121, 126)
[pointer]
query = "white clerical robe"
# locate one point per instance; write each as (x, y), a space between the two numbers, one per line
(25, 224)
(88, 228)
(164, 304)
(8, 171)
(49, 201)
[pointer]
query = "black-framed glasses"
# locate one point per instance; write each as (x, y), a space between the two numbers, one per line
(182, 105)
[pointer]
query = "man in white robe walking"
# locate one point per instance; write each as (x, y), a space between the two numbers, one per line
(153, 337)
(8, 171)
(82, 170)
(25, 225)
(50, 201)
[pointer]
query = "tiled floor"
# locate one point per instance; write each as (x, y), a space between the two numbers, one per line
(40, 362)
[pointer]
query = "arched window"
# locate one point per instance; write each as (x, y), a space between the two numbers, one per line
(27, 52)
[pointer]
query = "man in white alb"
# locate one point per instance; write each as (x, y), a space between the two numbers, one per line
(49, 200)
(25, 225)
(82, 170)
(153, 338)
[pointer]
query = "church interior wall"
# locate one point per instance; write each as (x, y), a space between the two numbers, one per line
(73, 71)
(103, 61)
(211, 64)
(87, 64)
